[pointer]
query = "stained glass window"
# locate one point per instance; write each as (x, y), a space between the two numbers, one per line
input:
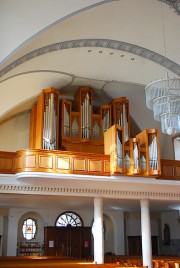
(69, 218)
(29, 229)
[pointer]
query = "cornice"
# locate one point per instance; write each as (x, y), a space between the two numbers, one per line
(89, 192)
(174, 4)
(101, 43)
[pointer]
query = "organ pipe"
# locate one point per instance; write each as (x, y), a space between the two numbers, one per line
(121, 115)
(49, 128)
(66, 120)
(153, 157)
(106, 120)
(86, 117)
(136, 156)
(119, 149)
(143, 162)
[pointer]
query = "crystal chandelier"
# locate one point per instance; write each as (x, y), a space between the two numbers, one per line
(163, 97)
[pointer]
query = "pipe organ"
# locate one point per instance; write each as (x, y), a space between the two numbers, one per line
(82, 129)
(60, 124)
(137, 156)
(44, 122)
(121, 115)
(50, 122)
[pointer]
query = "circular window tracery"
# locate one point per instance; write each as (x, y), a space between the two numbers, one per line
(69, 218)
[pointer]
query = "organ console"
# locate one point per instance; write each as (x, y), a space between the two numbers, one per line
(60, 124)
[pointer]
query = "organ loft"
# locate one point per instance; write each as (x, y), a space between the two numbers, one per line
(72, 126)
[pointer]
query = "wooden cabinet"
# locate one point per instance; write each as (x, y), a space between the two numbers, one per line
(73, 242)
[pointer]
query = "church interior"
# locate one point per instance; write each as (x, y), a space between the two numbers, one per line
(90, 132)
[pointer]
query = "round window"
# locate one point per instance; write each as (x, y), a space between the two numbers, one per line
(29, 229)
(69, 218)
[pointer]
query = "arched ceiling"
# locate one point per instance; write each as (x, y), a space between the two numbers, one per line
(116, 47)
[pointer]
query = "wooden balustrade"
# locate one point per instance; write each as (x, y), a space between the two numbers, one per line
(170, 170)
(7, 160)
(65, 162)
(61, 162)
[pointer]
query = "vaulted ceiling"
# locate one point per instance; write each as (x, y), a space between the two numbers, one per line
(115, 46)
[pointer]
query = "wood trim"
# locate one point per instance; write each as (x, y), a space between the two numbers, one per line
(71, 163)
(170, 170)
(62, 162)
(7, 160)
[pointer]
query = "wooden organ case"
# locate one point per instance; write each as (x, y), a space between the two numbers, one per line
(81, 129)
(73, 126)
(44, 121)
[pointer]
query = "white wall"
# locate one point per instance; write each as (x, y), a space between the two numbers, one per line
(46, 218)
(133, 224)
(171, 218)
(177, 148)
(118, 221)
(114, 222)
(14, 134)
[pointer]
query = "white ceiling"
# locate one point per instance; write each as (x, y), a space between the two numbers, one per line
(73, 203)
(116, 47)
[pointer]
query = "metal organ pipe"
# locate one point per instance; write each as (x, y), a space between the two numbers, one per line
(49, 130)
(135, 155)
(66, 121)
(153, 154)
(119, 149)
(143, 162)
(105, 121)
(86, 117)
(125, 123)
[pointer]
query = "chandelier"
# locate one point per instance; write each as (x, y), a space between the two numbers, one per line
(163, 97)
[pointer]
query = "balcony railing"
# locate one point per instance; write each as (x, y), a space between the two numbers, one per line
(55, 162)
(71, 163)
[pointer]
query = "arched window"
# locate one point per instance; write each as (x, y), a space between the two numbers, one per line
(29, 229)
(69, 218)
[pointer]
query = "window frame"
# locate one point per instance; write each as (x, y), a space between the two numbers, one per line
(33, 223)
(68, 215)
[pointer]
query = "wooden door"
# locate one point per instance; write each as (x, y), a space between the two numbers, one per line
(74, 242)
(154, 240)
(134, 245)
(86, 243)
(50, 241)
(62, 241)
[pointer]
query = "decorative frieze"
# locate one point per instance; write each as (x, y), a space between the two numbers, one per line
(89, 192)
(101, 43)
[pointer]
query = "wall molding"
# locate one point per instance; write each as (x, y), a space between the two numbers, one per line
(101, 43)
(89, 192)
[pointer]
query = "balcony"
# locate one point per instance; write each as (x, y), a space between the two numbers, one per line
(64, 162)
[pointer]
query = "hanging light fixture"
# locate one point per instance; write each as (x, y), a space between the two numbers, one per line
(163, 97)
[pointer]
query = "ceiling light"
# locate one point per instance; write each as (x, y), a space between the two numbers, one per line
(163, 97)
